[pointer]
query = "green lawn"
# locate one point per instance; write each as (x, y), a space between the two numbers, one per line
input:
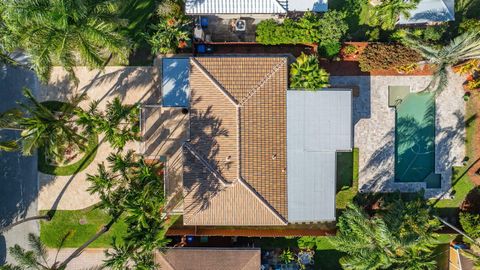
(347, 177)
(68, 222)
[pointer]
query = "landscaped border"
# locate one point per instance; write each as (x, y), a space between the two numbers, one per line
(89, 155)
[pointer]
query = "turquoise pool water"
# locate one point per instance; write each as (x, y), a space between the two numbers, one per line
(415, 140)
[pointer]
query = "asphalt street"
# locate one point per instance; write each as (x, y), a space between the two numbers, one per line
(18, 174)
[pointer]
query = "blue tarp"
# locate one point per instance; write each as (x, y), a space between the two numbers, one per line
(175, 82)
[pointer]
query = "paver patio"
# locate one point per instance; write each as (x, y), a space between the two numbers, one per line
(131, 85)
(374, 131)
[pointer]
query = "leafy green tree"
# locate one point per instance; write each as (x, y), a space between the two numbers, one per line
(132, 188)
(306, 73)
(42, 126)
(462, 48)
(401, 237)
(387, 13)
(65, 32)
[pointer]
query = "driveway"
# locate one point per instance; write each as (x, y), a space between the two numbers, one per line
(18, 174)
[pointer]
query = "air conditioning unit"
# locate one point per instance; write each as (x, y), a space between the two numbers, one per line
(240, 25)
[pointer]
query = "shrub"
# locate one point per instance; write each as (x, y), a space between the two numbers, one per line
(434, 33)
(469, 25)
(306, 73)
(470, 224)
(311, 28)
(386, 56)
(350, 49)
(330, 50)
(169, 34)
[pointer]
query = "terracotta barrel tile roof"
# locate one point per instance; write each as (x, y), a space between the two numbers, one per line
(238, 131)
(209, 258)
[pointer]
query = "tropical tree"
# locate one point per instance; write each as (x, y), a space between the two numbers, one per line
(132, 188)
(64, 32)
(34, 259)
(462, 48)
(401, 237)
(306, 73)
(387, 13)
(169, 34)
(42, 126)
(119, 122)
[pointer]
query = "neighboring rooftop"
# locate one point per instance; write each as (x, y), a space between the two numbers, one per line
(311, 5)
(237, 150)
(235, 7)
(319, 123)
(209, 258)
(431, 11)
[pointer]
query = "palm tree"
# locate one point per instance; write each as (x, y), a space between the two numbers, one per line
(306, 73)
(34, 259)
(132, 188)
(387, 14)
(65, 32)
(119, 122)
(42, 126)
(401, 237)
(462, 48)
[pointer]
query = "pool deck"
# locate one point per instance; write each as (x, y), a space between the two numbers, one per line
(374, 131)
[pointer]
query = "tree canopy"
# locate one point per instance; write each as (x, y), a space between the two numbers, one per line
(65, 32)
(400, 237)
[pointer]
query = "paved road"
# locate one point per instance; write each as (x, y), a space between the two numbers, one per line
(18, 175)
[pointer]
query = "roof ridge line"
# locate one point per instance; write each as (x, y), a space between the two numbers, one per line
(207, 165)
(264, 80)
(209, 76)
(263, 201)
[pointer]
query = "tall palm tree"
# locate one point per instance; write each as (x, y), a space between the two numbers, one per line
(132, 188)
(387, 14)
(462, 48)
(34, 259)
(67, 32)
(42, 126)
(399, 238)
(119, 122)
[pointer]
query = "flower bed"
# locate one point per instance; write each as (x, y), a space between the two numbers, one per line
(73, 160)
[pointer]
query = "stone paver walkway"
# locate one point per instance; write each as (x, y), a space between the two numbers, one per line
(374, 131)
(88, 259)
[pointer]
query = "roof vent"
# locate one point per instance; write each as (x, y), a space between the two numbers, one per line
(228, 159)
(240, 25)
(274, 156)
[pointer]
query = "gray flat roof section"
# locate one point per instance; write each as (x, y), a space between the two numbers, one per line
(428, 11)
(318, 125)
(175, 82)
(305, 5)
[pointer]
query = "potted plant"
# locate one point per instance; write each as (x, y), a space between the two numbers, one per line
(466, 96)
(350, 51)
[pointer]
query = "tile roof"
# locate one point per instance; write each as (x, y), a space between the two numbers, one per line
(209, 258)
(235, 162)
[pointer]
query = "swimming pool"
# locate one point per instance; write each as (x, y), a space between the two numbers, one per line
(415, 140)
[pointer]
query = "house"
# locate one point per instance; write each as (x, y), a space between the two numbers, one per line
(258, 154)
(430, 11)
(203, 7)
(209, 258)
(235, 21)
